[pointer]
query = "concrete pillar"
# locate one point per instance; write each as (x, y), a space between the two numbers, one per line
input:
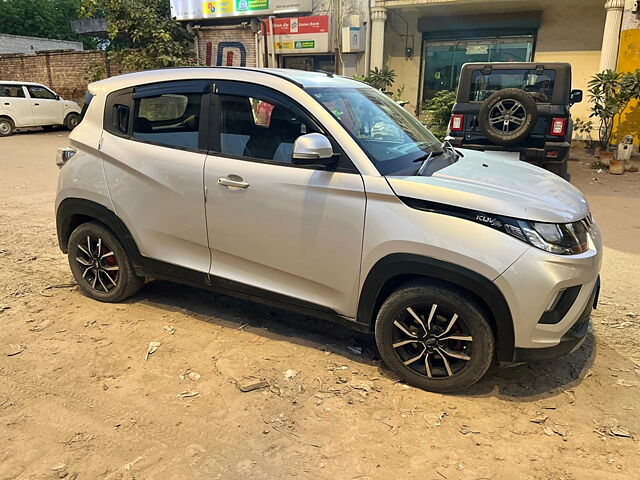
(378, 17)
(611, 37)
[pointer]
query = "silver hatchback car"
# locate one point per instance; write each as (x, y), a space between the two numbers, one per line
(321, 195)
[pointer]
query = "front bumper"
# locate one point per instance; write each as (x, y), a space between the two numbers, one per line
(532, 287)
(570, 341)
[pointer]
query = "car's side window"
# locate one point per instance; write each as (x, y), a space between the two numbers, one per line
(11, 91)
(41, 93)
(259, 128)
(171, 119)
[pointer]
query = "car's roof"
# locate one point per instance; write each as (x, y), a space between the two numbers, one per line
(13, 82)
(299, 77)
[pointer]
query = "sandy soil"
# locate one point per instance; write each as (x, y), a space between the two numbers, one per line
(81, 402)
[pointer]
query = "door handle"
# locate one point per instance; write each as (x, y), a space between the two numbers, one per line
(36, 104)
(233, 182)
(7, 103)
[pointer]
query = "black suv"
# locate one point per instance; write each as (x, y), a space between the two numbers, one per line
(516, 107)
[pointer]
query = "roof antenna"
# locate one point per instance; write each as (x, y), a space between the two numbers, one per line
(328, 74)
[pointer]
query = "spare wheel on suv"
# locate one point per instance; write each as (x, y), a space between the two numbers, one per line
(508, 116)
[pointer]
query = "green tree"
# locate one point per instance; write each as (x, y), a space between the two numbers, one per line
(142, 34)
(610, 93)
(42, 18)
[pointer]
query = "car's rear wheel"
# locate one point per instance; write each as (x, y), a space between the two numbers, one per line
(71, 121)
(100, 264)
(434, 336)
(6, 127)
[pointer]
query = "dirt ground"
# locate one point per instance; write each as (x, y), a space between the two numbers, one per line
(79, 400)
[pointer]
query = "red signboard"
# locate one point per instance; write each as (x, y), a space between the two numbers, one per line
(299, 25)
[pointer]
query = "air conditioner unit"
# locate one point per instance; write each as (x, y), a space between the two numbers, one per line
(352, 39)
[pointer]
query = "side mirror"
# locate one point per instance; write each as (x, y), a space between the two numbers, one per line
(57, 97)
(575, 97)
(313, 149)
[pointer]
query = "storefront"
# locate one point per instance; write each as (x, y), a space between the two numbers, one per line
(448, 34)
(302, 43)
(322, 35)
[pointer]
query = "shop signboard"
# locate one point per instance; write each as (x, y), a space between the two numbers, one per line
(202, 10)
(300, 34)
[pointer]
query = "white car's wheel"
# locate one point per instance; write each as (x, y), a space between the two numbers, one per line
(72, 121)
(6, 127)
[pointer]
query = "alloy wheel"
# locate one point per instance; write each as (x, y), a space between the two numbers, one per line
(98, 264)
(432, 341)
(507, 116)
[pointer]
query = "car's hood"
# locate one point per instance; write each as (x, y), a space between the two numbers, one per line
(482, 181)
(70, 104)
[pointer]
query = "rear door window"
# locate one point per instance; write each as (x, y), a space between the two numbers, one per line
(171, 119)
(538, 85)
(11, 91)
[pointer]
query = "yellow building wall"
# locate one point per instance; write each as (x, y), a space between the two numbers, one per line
(629, 61)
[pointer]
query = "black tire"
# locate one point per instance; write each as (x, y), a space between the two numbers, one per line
(71, 121)
(526, 112)
(455, 373)
(7, 127)
(87, 246)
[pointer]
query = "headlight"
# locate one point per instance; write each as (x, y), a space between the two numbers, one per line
(559, 238)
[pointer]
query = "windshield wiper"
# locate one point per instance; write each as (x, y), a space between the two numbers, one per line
(425, 160)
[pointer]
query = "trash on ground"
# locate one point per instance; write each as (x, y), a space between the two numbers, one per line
(290, 374)
(466, 430)
(15, 349)
(337, 367)
(4, 307)
(540, 419)
(627, 383)
(153, 346)
(248, 384)
(188, 394)
(356, 350)
(193, 376)
(169, 329)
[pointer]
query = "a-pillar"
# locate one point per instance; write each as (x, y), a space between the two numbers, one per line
(611, 37)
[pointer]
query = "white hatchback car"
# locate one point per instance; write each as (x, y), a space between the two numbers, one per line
(319, 194)
(26, 104)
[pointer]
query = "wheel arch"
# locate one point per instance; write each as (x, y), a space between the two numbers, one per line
(73, 212)
(393, 270)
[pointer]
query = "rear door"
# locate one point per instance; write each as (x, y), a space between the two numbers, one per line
(153, 154)
(46, 106)
(286, 230)
(15, 104)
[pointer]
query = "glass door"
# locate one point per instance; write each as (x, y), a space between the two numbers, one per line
(443, 59)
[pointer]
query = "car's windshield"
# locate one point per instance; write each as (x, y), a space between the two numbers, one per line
(393, 139)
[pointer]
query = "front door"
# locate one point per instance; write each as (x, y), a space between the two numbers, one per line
(153, 161)
(46, 106)
(272, 225)
(16, 104)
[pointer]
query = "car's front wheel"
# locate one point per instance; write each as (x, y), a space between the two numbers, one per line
(100, 264)
(434, 336)
(6, 127)
(71, 121)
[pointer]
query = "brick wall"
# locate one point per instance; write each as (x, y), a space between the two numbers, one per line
(66, 72)
(226, 46)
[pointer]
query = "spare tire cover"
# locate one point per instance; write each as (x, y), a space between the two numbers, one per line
(508, 116)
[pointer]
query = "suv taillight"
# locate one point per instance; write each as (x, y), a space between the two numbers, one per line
(558, 127)
(457, 123)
